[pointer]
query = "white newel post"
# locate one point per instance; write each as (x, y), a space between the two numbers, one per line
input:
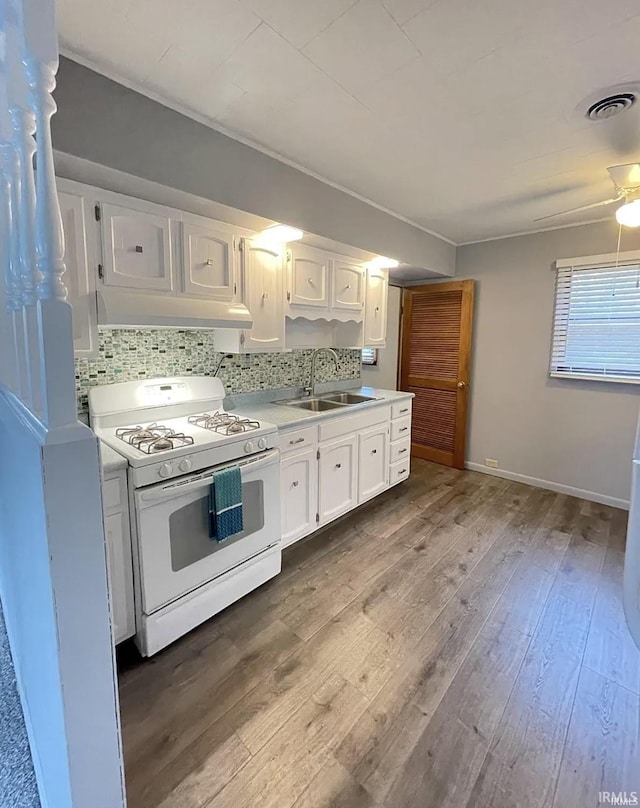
(53, 575)
(51, 326)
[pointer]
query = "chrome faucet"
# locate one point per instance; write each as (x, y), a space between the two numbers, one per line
(310, 391)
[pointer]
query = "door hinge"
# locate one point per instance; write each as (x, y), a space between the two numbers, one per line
(241, 244)
(242, 339)
(96, 212)
(101, 272)
(234, 242)
(235, 288)
(289, 297)
(317, 518)
(318, 455)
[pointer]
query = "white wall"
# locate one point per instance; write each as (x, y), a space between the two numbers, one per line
(385, 373)
(571, 433)
(53, 587)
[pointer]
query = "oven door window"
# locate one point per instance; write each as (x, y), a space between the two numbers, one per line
(189, 526)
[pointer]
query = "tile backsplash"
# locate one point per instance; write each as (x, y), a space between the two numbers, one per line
(127, 354)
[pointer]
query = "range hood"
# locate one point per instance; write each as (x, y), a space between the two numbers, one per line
(130, 310)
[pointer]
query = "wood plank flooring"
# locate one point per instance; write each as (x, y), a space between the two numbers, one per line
(459, 641)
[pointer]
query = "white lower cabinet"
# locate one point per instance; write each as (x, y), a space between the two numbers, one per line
(119, 563)
(330, 467)
(299, 487)
(337, 478)
(373, 462)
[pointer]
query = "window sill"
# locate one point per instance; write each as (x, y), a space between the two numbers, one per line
(590, 377)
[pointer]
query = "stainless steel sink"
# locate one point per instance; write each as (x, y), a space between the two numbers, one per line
(314, 404)
(347, 398)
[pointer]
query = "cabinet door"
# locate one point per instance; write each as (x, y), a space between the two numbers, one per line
(263, 271)
(209, 261)
(137, 249)
(120, 576)
(375, 314)
(338, 473)
(79, 278)
(347, 286)
(299, 487)
(373, 462)
(308, 278)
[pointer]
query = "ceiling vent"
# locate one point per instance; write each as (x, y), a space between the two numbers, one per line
(611, 105)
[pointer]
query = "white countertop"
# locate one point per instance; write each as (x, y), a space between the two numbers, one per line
(284, 417)
(110, 459)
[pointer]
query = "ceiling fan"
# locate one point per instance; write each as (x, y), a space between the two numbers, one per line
(626, 179)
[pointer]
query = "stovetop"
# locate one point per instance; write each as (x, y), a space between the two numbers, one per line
(170, 427)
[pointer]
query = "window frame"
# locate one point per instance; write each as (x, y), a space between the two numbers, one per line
(604, 260)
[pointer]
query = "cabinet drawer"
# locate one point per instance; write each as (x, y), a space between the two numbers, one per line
(112, 494)
(399, 471)
(294, 439)
(346, 425)
(401, 428)
(400, 450)
(401, 408)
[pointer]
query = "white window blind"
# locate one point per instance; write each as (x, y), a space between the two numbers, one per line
(596, 329)
(369, 356)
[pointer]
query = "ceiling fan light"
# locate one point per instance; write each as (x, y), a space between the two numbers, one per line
(629, 214)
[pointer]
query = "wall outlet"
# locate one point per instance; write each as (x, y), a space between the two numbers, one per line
(493, 464)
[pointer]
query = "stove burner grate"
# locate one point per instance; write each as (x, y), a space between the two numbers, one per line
(224, 423)
(153, 438)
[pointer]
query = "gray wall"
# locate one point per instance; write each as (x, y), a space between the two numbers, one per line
(577, 434)
(107, 123)
(385, 373)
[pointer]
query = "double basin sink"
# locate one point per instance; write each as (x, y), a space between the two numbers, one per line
(329, 401)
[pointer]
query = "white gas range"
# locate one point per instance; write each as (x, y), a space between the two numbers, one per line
(176, 435)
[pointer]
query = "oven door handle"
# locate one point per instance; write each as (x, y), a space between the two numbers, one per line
(177, 488)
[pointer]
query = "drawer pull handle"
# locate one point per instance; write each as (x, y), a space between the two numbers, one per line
(374, 451)
(298, 440)
(338, 465)
(402, 471)
(404, 429)
(402, 451)
(295, 483)
(406, 409)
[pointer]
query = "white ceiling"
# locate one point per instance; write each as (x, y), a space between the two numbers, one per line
(459, 115)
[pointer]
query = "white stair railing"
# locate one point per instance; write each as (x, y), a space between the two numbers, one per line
(37, 341)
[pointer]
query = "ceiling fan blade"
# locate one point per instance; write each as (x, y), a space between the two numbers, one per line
(618, 198)
(626, 176)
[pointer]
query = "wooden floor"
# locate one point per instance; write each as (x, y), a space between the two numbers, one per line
(459, 641)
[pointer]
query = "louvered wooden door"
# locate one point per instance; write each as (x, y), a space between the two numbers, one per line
(436, 350)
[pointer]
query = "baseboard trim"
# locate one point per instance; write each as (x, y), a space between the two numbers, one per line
(593, 496)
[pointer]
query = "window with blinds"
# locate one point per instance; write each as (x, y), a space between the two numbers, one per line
(596, 329)
(369, 356)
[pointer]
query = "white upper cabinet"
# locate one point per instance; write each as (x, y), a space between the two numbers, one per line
(79, 277)
(347, 285)
(263, 281)
(307, 278)
(209, 259)
(137, 250)
(375, 315)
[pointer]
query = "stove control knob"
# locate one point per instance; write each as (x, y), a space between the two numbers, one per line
(165, 470)
(262, 443)
(249, 447)
(186, 464)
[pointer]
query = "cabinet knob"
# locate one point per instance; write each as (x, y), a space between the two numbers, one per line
(338, 465)
(348, 286)
(374, 451)
(209, 262)
(295, 483)
(377, 308)
(139, 248)
(265, 295)
(310, 281)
